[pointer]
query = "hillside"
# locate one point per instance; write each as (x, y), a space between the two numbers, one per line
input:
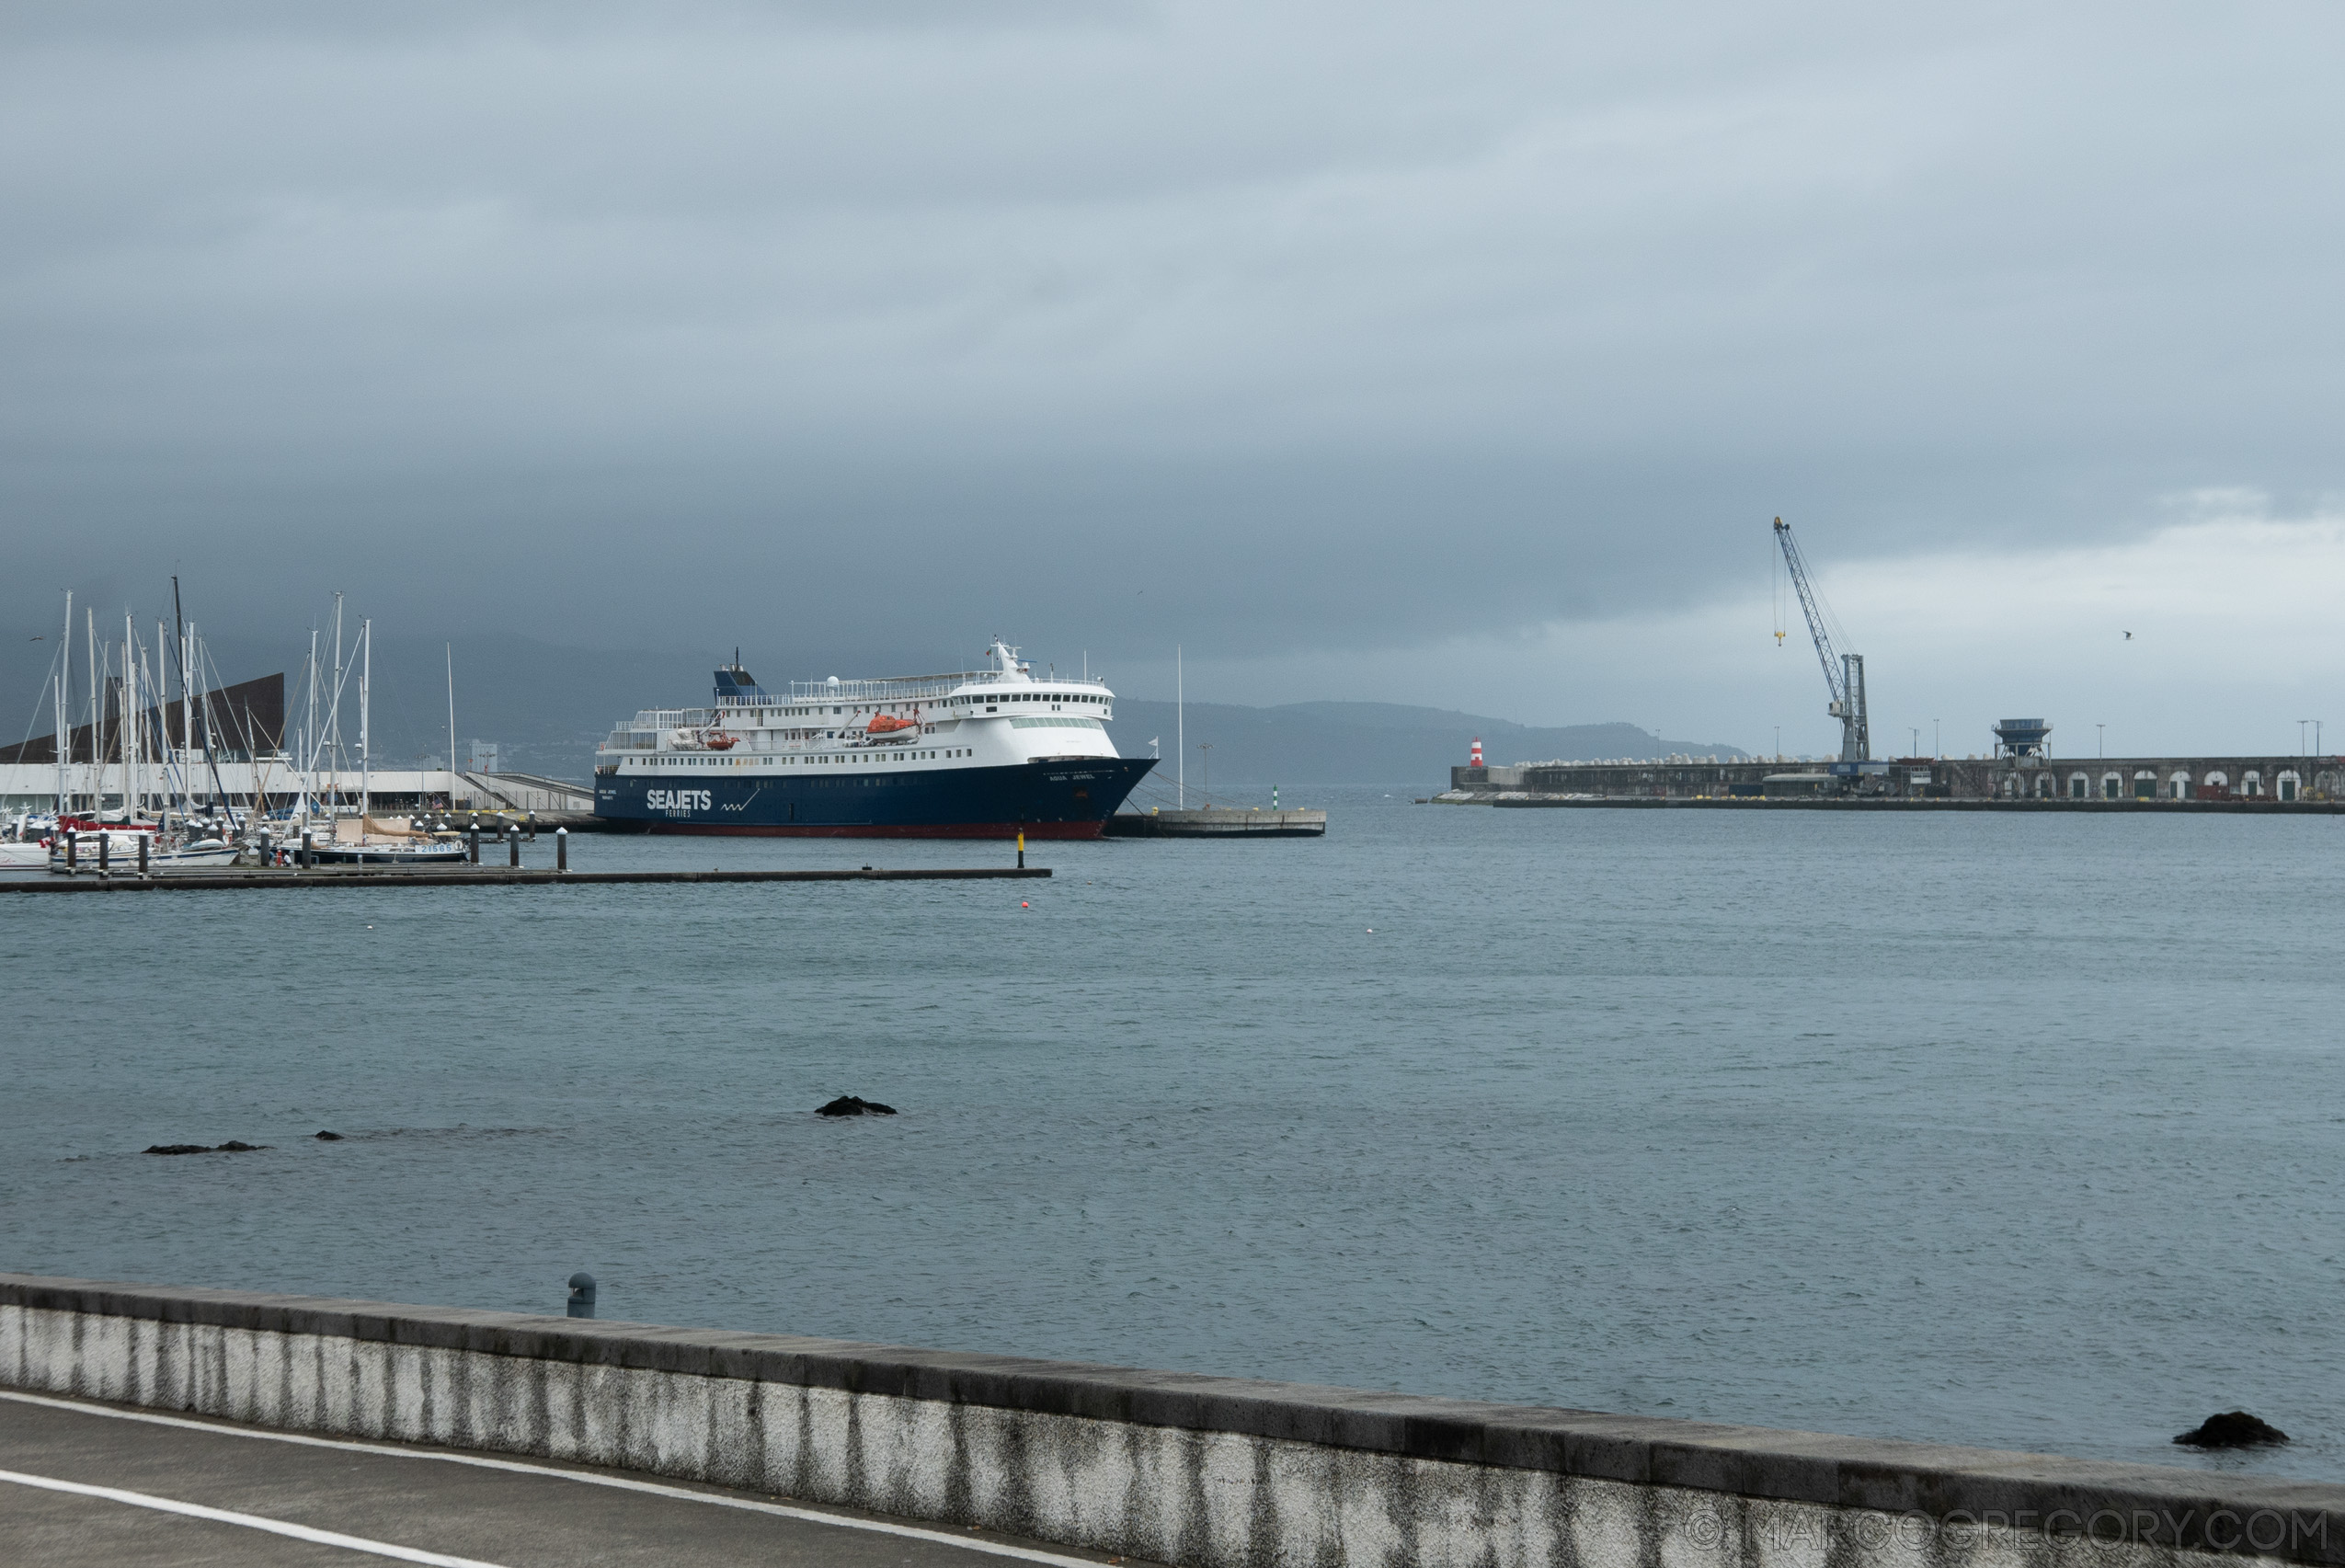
(549, 705)
(1366, 743)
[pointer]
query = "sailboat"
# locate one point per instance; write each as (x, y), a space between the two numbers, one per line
(359, 838)
(127, 837)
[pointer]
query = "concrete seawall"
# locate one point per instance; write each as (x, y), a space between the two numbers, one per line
(1212, 1472)
(2246, 783)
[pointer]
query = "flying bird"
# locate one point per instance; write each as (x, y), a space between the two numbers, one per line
(2129, 636)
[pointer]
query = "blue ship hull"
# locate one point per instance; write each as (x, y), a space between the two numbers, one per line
(1062, 799)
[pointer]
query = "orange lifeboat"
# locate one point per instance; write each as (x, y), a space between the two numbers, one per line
(888, 723)
(717, 740)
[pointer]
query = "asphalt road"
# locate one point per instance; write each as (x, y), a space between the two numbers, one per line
(89, 1484)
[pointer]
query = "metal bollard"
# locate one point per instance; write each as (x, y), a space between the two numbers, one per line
(513, 845)
(582, 1295)
(561, 849)
(142, 837)
(472, 843)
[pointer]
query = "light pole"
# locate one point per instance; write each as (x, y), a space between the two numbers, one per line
(1918, 738)
(1936, 747)
(1779, 743)
(1205, 772)
(2101, 748)
(2300, 736)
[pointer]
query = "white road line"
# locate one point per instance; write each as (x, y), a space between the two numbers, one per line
(249, 1521)
(623, 1483)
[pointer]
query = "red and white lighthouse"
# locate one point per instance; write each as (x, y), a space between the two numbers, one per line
(1476, 762)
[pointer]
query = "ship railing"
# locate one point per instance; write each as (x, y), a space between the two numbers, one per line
(820, 694)
(919, 688)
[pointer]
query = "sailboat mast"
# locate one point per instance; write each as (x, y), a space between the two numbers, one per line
(334, 717)
(451, 649)
(186, 716)
(125, 695)
(309, 732)
(187, 711)
(366, 758)
(89, 649)
(1180, 731)
(257, 797)
(64, 705)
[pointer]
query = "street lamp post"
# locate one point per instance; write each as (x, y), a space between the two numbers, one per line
(1936, 747)
(1205, 775)
(2101, 746)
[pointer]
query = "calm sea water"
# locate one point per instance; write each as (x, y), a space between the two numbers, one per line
(2019, 1132)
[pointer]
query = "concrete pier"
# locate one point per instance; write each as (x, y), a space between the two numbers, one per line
(1218, 823)
(1199, 1471)
(473, 876)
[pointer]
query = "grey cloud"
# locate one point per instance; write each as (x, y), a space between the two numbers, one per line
(1275, 328)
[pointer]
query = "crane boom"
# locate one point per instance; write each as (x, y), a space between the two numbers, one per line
(1844, 673)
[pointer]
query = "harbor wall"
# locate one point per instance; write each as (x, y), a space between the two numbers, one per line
(1198, 1472)
(2270, 779)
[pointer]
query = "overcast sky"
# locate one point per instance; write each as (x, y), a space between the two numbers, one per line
(1450, 354)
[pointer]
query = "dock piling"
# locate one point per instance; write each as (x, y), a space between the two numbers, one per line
(561, 849)
(73, 855)
(142, 837)
(513, 844)
(105, 844)
(1022, 849)
(582, 1295)
(305, 860)
(472, 843)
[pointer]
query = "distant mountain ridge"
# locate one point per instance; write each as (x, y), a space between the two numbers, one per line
(549, 705)
(1367, 743)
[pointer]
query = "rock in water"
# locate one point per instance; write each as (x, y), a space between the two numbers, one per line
(854, 1105)
(179, 1148)
(233, 1147)
(2232, 1429)
(329, 1138)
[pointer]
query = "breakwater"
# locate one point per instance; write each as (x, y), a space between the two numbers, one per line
(2245, 782)
(1200, 1471)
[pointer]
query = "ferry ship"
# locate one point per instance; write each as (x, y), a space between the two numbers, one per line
(976, 754)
